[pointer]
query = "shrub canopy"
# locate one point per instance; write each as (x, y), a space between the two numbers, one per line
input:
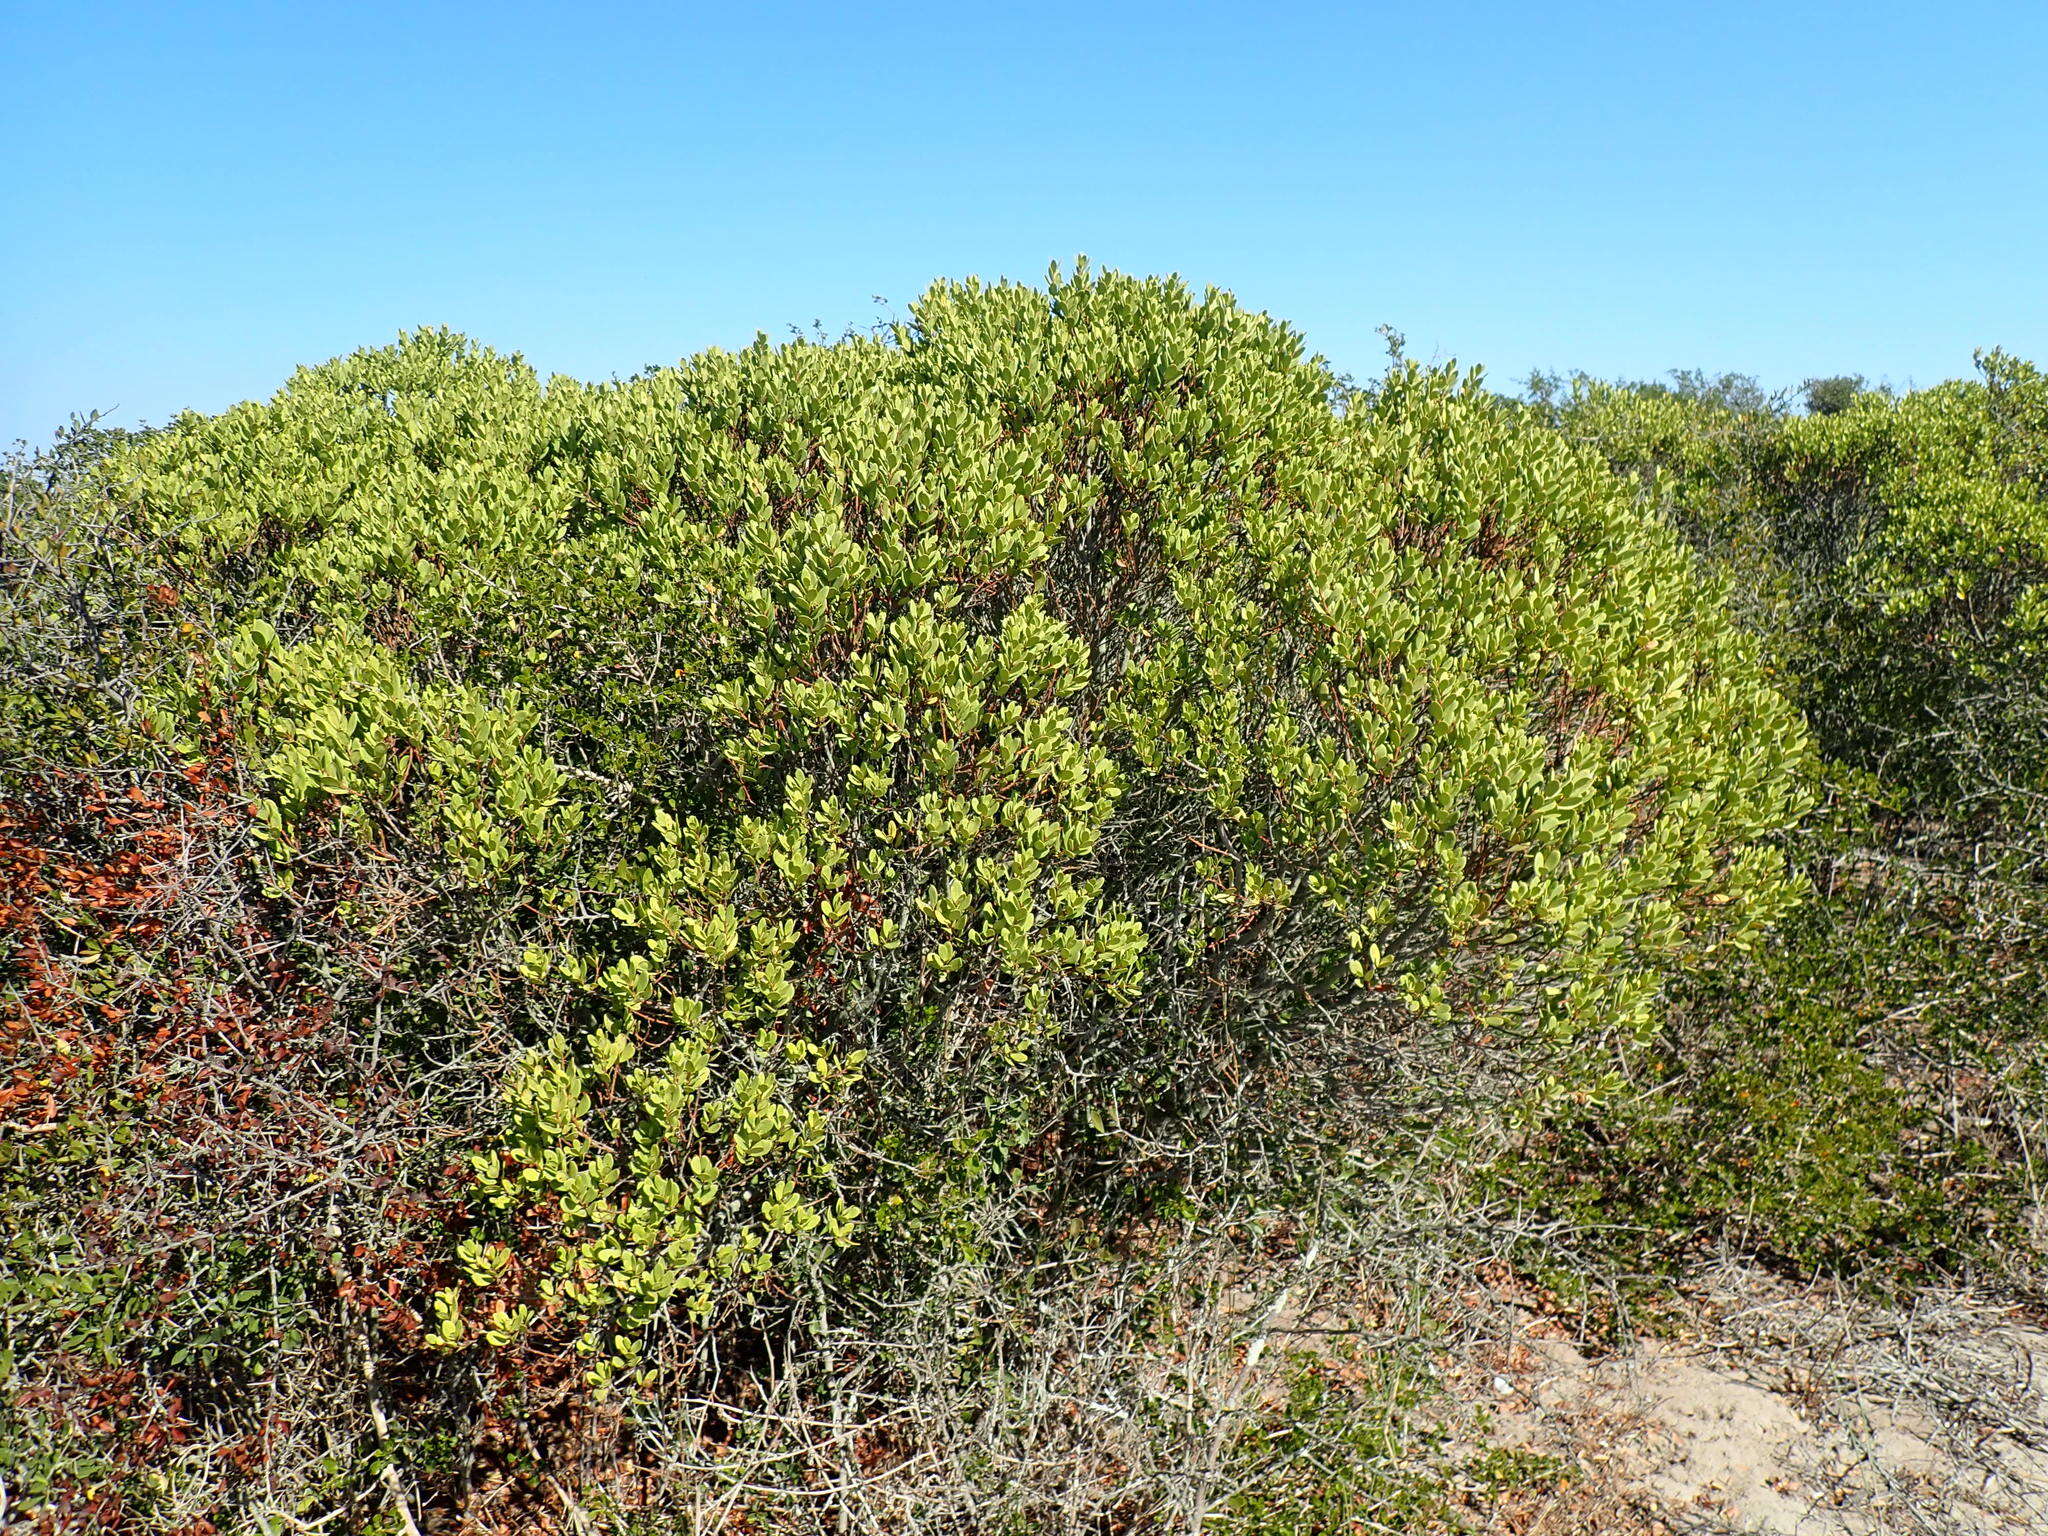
(1049, 719)
(1894, 549)
(1933, 647)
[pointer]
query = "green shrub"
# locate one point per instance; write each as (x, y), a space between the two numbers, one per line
(1929, 641)
(1829, 396)
(1893, 551)
(862, 803)
(1859, 1094)
(1841, 1101)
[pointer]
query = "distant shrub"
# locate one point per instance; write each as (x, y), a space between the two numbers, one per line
(1894, 551)
(1830, 396)
(854, 805)
(1929, 640)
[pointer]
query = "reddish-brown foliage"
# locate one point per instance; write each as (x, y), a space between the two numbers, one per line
(147, 982)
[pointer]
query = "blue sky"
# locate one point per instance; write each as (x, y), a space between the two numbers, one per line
(205, 195)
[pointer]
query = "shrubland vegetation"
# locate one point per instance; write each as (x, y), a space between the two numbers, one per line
(824, 938)
(1864, 1093)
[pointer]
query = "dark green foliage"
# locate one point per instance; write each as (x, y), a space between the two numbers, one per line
(1830, 396)
(1843, 1101)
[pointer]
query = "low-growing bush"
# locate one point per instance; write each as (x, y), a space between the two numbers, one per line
(1856, 1097)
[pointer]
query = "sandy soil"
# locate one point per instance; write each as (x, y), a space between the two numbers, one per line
(1792, 1413)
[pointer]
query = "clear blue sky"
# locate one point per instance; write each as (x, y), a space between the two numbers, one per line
(202, 196)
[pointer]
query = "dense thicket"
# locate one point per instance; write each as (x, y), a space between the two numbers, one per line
(1866, 1093)
(559, 928)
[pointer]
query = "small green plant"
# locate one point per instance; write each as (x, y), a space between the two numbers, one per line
(1338, 1451)
(1348, 1451)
